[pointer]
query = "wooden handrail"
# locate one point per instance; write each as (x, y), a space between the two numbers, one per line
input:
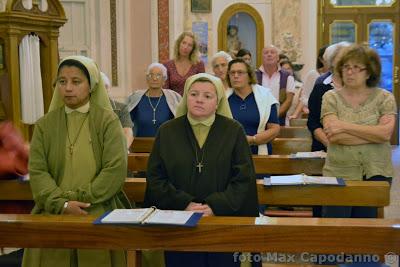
(280, 146)
(214, 234)
(355, 193)
(272, 164)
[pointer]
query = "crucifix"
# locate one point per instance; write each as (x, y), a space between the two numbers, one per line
(154, 117)
(199, 166)
(71, 149)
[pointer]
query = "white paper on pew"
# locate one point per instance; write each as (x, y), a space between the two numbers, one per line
(315, 154)
(178, 217)
(300, 179)
(263, 220)
(127, 215)
(152, 215)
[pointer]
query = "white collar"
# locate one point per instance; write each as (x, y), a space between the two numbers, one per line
(81, 109)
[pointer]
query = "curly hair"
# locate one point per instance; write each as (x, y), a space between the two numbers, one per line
(364, 55)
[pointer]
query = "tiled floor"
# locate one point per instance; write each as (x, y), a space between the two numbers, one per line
(393, 211)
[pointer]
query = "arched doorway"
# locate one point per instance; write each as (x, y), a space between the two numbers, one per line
(249, 28)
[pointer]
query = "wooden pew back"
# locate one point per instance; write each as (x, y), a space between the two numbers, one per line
(355, 193)
(273, 164)
(294, 132)
(280, 146)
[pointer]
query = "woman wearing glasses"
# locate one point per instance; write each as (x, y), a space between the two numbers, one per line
(358, 121)
(152, 107)
(253, 106)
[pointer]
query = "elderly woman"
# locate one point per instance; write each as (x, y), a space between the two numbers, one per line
(186, 62)
(78, 160)
(219, 63)
(152, 107)
(358, 121)
(209, 170)
(253, 106)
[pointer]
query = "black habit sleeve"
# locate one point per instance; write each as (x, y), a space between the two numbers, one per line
(160, 191)
(240, 195)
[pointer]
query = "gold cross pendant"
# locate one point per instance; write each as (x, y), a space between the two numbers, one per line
(71, 149)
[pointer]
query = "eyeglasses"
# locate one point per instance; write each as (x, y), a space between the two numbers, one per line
(238, 72)
(152, 76)
(354, 68)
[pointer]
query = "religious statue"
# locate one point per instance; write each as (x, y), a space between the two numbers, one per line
(234, 43)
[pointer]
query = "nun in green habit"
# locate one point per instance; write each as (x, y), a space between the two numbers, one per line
(78, 160)
(201, 161)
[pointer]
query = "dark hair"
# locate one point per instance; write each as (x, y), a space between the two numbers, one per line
(250, 71)
(286, 61)
(283, 56)
(74, 63)
(242, 52)
(364, 55)
(321, 52)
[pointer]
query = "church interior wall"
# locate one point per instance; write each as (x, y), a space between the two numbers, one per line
(88, 32)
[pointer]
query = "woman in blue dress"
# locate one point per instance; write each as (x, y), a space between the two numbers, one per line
(253, 106)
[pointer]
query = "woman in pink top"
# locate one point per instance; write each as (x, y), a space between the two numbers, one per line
(186, 62)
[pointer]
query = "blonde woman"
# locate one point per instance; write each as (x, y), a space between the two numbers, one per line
(185, 63)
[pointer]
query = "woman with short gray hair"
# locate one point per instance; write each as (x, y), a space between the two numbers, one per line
(219, 63)
(149, 108)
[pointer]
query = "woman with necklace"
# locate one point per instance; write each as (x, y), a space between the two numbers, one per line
(77, 161)
(152, 107)
(358, 121)
(186, 62)
(210, 169)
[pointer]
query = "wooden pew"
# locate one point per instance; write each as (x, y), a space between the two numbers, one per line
(355, 193)
(273, 164)
(213, 234)
(286, 146)
(294, 132)
(280, 146)
(298, 122)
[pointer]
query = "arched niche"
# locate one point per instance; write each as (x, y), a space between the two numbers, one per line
(44, 18)
(252, 36)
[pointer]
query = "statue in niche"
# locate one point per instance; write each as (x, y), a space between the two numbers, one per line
(234, 44)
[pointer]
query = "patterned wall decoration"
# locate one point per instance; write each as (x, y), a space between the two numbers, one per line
(163, 30)
(285, 12)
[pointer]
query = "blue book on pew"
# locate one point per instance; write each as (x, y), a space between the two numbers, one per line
(150, 216)
(302, 179)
